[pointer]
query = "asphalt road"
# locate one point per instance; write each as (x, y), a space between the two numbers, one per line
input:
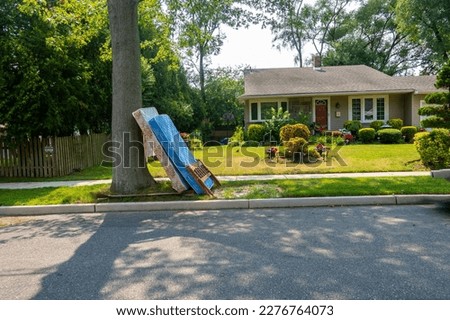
(382, 252)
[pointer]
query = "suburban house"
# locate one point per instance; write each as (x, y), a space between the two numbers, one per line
(333, 95)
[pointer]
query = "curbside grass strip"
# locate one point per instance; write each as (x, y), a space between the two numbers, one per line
(224, 204)
(46, 209)
(322, 202)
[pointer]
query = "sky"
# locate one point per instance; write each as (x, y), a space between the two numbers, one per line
(253, 47)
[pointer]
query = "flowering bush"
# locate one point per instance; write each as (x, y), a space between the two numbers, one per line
(272, 152)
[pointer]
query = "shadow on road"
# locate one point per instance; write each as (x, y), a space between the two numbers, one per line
(400, 252)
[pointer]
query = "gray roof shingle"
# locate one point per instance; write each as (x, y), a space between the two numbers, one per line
(329, 80)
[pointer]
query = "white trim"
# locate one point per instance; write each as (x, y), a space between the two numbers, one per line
(328, 99)
(363, 98)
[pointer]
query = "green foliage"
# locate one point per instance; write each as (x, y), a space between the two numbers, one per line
(438, 111)
(296, 145)
(250, 143)
(434, 148)
(353, 126)
(55, 73)
(371, 37)
(255, 132)
(390, 136)
(409, 132)
(223, 87)
(367, 135)
(395, 123)
(238, 135)
(376, 124)
(278, 119)
(294, 131)
(195, 144)
(427, 24)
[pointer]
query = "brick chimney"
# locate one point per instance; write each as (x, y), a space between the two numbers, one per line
(317, 63)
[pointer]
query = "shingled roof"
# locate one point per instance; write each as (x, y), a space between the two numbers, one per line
(335, 80)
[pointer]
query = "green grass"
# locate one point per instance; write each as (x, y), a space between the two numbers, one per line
(242, 190)
(252, 161)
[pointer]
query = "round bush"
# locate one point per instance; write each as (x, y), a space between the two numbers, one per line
(298, 130)
(390, 136)
(353, 126)
(366, 135)
(255, 132)
(395, 123)
(409, 132)
(434, 148)
(376, 124)
(296, 145)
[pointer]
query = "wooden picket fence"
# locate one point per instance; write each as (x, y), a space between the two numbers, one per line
(51, 157)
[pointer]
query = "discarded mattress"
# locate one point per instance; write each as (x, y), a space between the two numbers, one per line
(178, 152)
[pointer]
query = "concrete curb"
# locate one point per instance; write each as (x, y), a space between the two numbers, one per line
(225, 204)
(46, 210)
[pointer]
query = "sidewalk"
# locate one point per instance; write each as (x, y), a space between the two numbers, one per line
(57, 184)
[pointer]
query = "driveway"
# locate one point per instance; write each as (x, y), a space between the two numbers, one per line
(380, 252)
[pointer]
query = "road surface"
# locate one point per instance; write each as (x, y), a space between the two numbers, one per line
(379, 252)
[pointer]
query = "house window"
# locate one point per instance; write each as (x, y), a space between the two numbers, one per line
(254, 112)
(381, 114)
(356, 109)
(368, 109)
(266, 109)
(260, 111)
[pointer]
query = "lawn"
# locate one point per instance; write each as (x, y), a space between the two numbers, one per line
(351, 158)
(253, 161)
(241, 190)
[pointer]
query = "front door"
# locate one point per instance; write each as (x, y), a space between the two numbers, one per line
(322, 113)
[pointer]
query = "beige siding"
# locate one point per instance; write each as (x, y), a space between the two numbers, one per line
(396, 106)
(415, 109)
(339, 114)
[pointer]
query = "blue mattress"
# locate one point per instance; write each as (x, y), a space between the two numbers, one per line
(176, 149)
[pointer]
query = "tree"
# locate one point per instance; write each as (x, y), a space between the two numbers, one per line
(199, 23)
(223, 87)
(438, 110)
(322, 21)
(371, 37)
(164, 80)
(286, 21)
(53, 80)
(130, 172)
(427, 23)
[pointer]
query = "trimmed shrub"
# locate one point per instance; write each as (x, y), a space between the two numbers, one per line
(367, 135)
(434, 148)
(296, 145)
(376, 124)
(353, 126)
(298, 130)
(408, 132)
(255, 132)
(390, 136)
(340, 141)
(395, 123)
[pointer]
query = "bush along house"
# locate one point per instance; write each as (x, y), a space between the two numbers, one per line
(333, 95)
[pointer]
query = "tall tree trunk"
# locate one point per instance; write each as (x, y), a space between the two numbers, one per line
(130, 172)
